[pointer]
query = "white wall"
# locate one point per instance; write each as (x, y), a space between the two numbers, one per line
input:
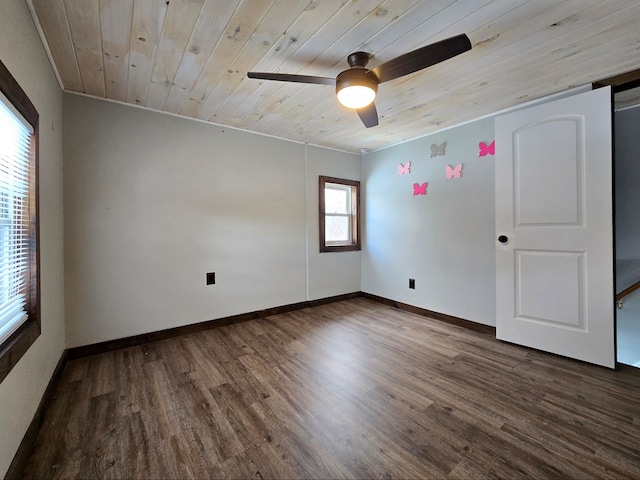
(153, 202)
(627, 196)
(330, 273)
(21, 391)
(444, 240)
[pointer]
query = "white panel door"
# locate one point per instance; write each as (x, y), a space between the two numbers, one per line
(554, 227)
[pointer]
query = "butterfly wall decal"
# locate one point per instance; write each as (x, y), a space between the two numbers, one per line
(453, 172)
(438, 150)
(487, 149)
(404, 169)
(420, 189)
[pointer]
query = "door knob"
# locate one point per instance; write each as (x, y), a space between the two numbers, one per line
(503, 239)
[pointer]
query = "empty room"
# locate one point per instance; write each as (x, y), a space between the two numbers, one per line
(319, 239)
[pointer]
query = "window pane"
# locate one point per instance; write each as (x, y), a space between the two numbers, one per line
(337, 229)
(19, 250)
(15, 158)
(336, 200)
(338, 206)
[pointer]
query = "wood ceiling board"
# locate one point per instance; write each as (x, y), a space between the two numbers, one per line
(52, 18)
(250, 94)
(404, 23)
(443, 114)
(507, 15)
(253, 94)
(341, 119)
(432, 30)
(414, 14)
(521, 50)
(115, 23)
(546, 83)
(84, 22)
(504, 51)
(296, 37)
(179, 23)
(497, 57)
(276, 119)
(146, 30)
(432, 14)
(314, 52)
(479, 65)
(305, 98)
(351, 39)
(335, 26)
(586, 60)
(208, 30)
(279, 18)
(243, 22)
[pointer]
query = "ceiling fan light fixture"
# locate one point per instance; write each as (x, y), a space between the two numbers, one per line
(356, 88)
(356, 96)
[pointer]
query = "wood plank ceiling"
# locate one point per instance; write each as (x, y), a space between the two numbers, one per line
(191, 57)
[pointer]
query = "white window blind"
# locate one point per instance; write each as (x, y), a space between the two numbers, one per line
(15, 162)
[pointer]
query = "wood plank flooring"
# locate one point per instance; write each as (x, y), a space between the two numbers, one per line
(353, 389)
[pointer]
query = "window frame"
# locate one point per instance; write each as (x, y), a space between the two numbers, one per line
(13, 349)
(354, 215)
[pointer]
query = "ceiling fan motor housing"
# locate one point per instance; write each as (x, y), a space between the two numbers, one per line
(358, 59)
(356, 88)
(357, 77)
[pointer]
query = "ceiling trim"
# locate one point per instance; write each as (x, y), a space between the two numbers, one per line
(206, 122)
(554, 96)
(44, 42)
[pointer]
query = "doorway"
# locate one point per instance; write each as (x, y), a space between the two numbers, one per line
(627, 224)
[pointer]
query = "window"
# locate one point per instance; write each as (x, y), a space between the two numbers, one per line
(19, 255)
(339, 217)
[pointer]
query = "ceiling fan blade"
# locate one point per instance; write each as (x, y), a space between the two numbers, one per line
(287, 77)
(368, 115)
(422, 58)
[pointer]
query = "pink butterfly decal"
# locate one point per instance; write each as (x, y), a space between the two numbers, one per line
(420, 189)
(453, 172)
(487, 149)
(404, 169)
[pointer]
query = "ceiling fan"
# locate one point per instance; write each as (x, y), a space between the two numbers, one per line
(356, 87)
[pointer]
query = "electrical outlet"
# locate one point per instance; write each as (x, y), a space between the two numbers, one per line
(412, 283)
(211, 278)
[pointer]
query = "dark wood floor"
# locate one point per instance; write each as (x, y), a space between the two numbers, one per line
(349, 390)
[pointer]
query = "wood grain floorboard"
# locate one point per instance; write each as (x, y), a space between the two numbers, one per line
(353, 389)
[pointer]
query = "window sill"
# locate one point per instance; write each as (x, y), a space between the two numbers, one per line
(339, 248)
(17, 345)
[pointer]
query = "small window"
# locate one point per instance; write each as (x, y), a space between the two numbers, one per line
(19, 259)
(339, 217)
